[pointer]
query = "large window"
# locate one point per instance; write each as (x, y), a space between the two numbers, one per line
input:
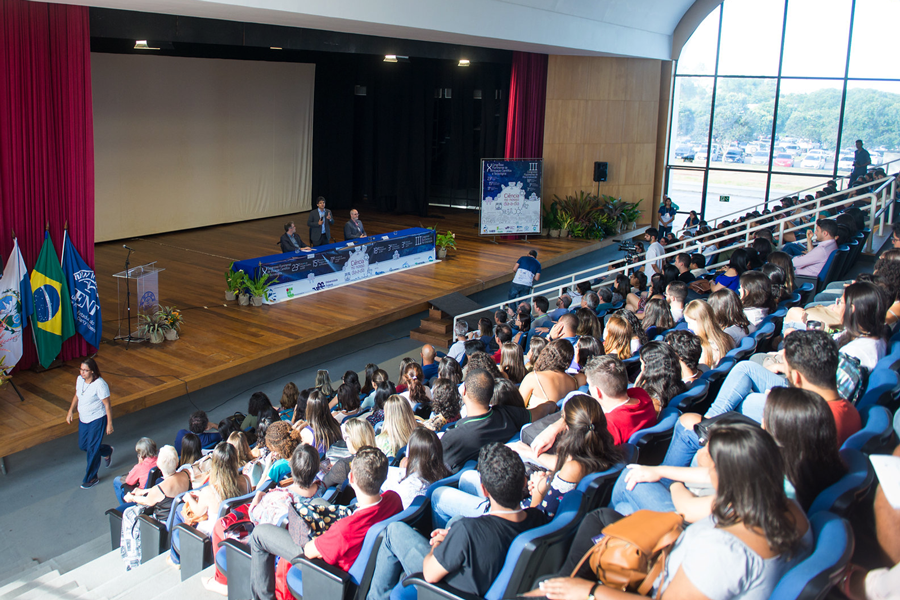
(770, 96)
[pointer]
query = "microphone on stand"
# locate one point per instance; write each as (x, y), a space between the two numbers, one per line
(128, 247)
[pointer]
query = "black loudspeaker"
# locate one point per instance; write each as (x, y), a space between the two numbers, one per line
(600, 171)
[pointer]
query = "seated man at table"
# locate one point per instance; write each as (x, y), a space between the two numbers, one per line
(290, 241)
(354, 229)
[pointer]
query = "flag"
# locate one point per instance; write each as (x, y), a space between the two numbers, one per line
(51, 322)
(82, 284)
(15, 307)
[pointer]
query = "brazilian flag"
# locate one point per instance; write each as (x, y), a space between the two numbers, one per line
(51, 321)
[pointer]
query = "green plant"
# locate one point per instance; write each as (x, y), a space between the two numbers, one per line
(235, 280)
(631, 213)
(258, 286)
(444, 240)
(551, 216)
(172, 316)
(153, 323)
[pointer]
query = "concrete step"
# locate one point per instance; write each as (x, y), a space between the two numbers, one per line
(191, 588)
(81, 555)
(143, 582)
(99, 571)
(26, 575)
(53, 589)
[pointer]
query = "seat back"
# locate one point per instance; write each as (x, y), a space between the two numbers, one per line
(597, 487)
(844, 495)
(804, 291)
(153, 477)
(875, 435)
(743, 350)
(539, 551)
(792, 300)
(652, 442)
(814, 576)
(852, 251)
(882, 386)
(764, 333)
(835, 260)
(693, 396)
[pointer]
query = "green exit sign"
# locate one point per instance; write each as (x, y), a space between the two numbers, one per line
(724, 198)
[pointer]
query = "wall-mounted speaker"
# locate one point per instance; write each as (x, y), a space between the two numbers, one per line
(601, 171)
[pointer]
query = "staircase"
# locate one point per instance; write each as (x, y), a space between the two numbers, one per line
(436, 330)
(92, 572)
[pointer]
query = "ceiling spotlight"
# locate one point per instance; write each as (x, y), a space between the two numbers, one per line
(143, 45)
(275, 48)
(390, 58)
(464, 62)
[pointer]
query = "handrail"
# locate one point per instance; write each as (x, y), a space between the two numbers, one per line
(745, 232)
(717, 233)
(749, 209)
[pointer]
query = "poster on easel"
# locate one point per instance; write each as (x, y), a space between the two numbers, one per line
(511, 196)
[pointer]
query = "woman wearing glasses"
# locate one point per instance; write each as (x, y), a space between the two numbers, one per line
(94, 419)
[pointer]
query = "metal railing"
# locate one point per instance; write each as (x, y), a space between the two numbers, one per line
(879, 200)
(762, 205)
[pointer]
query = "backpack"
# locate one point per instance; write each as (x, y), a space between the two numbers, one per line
(852, 378)
(632, 552)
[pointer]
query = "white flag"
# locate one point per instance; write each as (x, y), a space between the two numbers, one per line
(15, 307)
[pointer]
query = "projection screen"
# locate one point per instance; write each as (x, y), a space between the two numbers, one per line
(190, 142)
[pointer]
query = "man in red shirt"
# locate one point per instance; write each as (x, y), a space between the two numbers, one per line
(627, 410)
(341, 543)
(137, 476)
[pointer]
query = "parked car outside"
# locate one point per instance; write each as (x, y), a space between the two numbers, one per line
(813, 161)
(734, 155)
(783, 159)
(759, 158)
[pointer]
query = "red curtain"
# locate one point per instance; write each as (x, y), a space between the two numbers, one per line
(527, 99)
(46, 135)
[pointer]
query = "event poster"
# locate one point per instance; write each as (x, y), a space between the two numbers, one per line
(511, 196)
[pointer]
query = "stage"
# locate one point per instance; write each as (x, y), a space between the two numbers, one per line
(221, 340)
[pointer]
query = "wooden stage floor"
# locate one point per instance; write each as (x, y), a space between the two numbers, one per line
(222, 340)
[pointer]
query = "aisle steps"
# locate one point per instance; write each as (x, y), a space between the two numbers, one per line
(89, 572)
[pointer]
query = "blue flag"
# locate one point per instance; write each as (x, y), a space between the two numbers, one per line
(82, 284)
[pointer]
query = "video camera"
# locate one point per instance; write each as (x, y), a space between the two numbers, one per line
(632, 254)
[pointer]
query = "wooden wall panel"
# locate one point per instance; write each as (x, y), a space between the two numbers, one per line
(607, 109)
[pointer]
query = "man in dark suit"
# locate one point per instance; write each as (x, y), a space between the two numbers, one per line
(319, 223)
(290, 241)
(354, 228)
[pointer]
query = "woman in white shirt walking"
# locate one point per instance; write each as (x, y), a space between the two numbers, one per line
(94, 419)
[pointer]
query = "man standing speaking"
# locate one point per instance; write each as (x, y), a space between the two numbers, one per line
(319, 223)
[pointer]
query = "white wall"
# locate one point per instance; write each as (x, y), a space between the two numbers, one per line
(189, 142)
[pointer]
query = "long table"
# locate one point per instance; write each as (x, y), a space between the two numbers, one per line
(301, 273)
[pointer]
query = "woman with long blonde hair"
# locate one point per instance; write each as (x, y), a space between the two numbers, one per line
(238, 439)
(225, 481)
(617, 337)
(702, 321)
(399, 423)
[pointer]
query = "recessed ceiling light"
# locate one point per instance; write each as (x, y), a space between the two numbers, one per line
(143, 45)
(390, 58)
(275, 48)
(464, 62)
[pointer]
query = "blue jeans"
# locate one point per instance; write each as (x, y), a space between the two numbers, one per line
(517, 290)
(682, 448)
(794, 249)
(467, 501)
(121, 488)
(746, 377)
(90, 440)
(403, 551)
(650, 496)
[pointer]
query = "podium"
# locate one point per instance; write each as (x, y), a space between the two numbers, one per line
(147, 282)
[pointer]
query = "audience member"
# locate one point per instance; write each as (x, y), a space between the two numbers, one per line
(423, 466)
(137, 477)
(689, 350)
(549, 382)
(200, 426)
(701, 320)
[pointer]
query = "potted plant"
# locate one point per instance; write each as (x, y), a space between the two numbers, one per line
(631, 213)
(173, 318)
(443, 241)
(235, 282)
(258, 286)
(566, 221)
(153, 327)
(551, 219)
